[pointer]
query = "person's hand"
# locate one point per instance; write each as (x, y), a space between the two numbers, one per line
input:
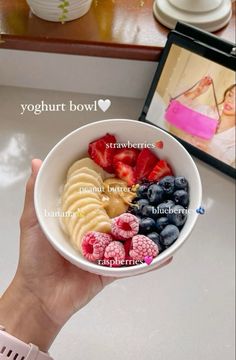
(200, 89)
(54, 287)
(203, 85)
(46, 290)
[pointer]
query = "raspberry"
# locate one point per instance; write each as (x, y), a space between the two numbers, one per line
(128, 258)
(114, 254)
(94, 244)
(127, 246)
(125, 226)
(142, 246)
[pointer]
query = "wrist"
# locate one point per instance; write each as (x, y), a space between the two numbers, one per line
(22, 316)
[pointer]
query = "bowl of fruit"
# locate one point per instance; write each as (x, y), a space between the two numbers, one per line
(118, 197)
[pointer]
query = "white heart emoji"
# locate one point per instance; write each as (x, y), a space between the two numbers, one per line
(104, 104)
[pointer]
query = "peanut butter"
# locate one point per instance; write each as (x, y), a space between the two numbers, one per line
(120, 196)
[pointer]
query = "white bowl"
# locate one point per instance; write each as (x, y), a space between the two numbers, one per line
(53, 171)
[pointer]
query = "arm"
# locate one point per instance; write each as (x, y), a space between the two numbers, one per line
(46, 290)
(200, 89)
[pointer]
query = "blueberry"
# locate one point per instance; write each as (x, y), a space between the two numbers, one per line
(148, 211)
(155, 237)
(133, 210)
(155, 193)
(161, 223)
(138, 206)
(168, 184)
(164, 208)
(181, 197)
(178, 215)
(181, 183)
(142, 191)
(169, 234)
(146, 225)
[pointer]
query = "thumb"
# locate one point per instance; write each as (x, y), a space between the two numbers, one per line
(29, 218)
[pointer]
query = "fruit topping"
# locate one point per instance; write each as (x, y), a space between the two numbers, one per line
(181, 183)
(142, 246)
(147, 225)
(94, 244)
(168, 184)
(161, 223)
(102, 153)
(169, 234)
(155, 193)
(127, 156)
(125, 226)
(161, 169)
(142, 190)
(125, 172)
(114, 251)
(157, 240)
(164, 208)
(145, 164)
(181, 197)
(177, 216)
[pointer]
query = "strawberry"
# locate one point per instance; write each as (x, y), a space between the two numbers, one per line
(145, 163)
(125, 172)
(127, 156)
(102, 153)
(161, 170)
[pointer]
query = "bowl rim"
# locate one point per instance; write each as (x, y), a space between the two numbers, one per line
(84, 263)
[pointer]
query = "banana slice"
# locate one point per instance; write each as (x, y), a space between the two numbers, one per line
(77, 208)
(81, 187)
(86, 170)
(76, 196)
(86, 162)
(96, 223)
(82, 212)
(84, 178)
(87, 223)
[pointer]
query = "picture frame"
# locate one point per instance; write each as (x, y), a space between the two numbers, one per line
(192, 95)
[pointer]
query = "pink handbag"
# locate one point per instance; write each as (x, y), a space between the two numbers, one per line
(191, 121)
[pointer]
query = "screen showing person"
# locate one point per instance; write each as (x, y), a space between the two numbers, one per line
(195, 101)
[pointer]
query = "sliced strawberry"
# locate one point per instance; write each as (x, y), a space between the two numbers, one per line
(161, 170)
(145, 163)
(127, 156)
(125, 172)
(102, 152)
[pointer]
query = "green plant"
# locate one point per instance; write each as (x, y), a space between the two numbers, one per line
(64, 8)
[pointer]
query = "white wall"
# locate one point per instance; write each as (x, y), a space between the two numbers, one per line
(84, 74)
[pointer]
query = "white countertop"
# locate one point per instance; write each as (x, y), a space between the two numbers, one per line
(182, 312)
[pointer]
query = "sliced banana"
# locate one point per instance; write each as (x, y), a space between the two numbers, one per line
(77, 208)
(81, 187)
(98, 223)
(81, 212)
(84, 178)
(88, 223)
(85, 162)
(82, 197)
(76, 196)
(86, 170)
